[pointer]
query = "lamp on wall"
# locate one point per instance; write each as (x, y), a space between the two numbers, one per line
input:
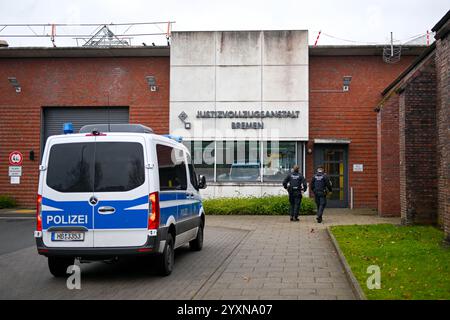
(151, 81)
(346, 85)
(13, 81)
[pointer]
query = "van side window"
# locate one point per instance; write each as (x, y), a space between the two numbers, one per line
(172, 168)
(192, 174)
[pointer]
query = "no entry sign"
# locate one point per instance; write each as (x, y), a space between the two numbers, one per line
(15, 158)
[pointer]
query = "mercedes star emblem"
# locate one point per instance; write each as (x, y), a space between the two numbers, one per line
(93, 200)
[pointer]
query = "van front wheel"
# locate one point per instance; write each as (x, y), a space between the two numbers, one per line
(197, 243)
(167, 258)
(58, 265)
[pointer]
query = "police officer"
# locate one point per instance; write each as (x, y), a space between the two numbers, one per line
(320, 185)
(295, 183)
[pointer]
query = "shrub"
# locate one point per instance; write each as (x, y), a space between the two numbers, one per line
(7, 202)
(269, 205)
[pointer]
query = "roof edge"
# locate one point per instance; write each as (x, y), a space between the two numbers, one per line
(441, 22)
(419, 59)
(364, 50)
(82, 52)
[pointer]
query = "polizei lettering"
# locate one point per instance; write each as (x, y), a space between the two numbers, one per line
(67, 220)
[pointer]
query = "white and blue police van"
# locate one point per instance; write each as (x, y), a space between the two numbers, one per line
(117, 190)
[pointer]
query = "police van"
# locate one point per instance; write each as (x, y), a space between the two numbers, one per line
(117, 190)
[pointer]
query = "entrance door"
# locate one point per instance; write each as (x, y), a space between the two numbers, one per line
(334, 160)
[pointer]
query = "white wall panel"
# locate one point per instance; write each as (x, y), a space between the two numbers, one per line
(238, 83)
(285, 83)
(192, 48)
(238, 48)
(285, 48)
(192, 84)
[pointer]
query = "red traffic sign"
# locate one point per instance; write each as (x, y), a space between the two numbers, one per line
(15, 158)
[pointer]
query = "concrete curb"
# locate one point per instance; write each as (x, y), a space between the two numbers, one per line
(356, 288)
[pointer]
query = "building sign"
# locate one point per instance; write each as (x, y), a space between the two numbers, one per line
(358, 168)
(15, 171)
(15, 180)
(277, 114)
(281, 114)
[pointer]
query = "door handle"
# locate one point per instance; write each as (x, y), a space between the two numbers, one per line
(106, 210)
(189, 195)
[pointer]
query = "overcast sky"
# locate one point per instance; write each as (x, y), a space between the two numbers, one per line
(369, 21)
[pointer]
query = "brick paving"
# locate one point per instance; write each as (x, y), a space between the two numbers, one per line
(286, 260)
(244, 257)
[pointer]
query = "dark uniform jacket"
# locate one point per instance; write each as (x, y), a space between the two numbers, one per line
(321, 184)
(294, 182)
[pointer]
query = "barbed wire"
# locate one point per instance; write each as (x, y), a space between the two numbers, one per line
(400, 41)
(426, 37)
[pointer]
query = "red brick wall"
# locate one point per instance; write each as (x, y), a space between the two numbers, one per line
(72, 82)
(443, 120)
(418, 147)
(388, 158)
(351, 115)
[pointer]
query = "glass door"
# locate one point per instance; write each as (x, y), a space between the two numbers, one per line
(334, 160)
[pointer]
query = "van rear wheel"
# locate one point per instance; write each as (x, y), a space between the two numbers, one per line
(167, 258)
(58, 265)
(197, 243)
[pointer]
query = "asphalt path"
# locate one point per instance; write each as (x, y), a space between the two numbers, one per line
(16, 234)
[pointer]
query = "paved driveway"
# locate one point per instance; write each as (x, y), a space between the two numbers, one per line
(280, 259)
(244, 257)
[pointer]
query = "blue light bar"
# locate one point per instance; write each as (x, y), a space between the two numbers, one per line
(67, 128)
(176, 138)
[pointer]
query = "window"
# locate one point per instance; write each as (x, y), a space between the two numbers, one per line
(172, 168)
(70, 167)
(119, 166)
(238, 161)
(192, 174)
(279, 158)
(203, 154)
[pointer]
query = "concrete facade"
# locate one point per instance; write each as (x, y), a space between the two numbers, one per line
(220, 74)
(239, 71)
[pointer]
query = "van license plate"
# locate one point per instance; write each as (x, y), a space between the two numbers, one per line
(67, 236)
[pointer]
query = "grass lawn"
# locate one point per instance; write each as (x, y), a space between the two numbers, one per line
(412, 260)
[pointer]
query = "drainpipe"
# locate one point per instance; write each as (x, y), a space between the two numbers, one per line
(351, 198)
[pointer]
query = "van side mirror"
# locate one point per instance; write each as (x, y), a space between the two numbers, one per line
(201, 182)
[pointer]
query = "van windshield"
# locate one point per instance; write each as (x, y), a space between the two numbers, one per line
(96, 167)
